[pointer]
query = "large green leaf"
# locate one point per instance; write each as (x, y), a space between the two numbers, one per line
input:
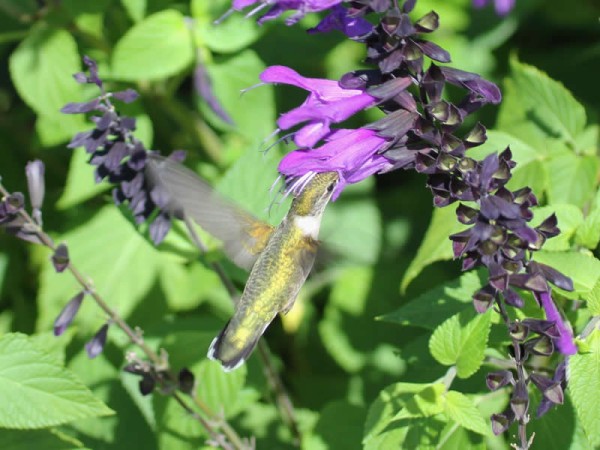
(229, 77)
(42, 439)
(535, 97)
(339, 426)
(37, 392)
(382, 431)
(122, 265)
(461, 409)
(228, 36)
(157, 47)
(584, 387)
(41, 69)
(435, 245)
(430, 309)
(462, 340)
(572, 178)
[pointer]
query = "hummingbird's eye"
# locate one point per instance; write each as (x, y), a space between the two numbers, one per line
(330, 187)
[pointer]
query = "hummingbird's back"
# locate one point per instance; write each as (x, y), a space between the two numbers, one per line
(272, 287)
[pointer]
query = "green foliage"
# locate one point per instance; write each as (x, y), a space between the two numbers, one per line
(370, 352)
(40, 391)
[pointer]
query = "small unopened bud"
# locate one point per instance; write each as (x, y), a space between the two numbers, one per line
(35, 183)
(501, 422)
(147, 384)
(96, 345)
(186, 381)
(496, 380)
(60, 258)
(519, 403)
(67, 315)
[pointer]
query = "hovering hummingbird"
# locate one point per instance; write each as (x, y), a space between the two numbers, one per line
(279, 258)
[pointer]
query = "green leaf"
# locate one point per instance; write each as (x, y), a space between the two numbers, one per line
(572, 178)
(430, 309)
(157, 47)
(545, 102)
(339, 426)
(112, 253)
(461, 409)
(582, 268)
(80, 185)
(588, 234)
(425, 403)
(435, 245)
(462, 340)
(593, 300)
(351, 228)
(383, 432)
(584, 387)
(42, 439)
(42, 69)
(37, 392)
(229, 77)
(229, 36)
(136, 9)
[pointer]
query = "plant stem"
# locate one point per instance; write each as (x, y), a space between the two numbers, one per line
(160, 363)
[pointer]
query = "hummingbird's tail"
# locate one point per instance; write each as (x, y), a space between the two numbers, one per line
(231, 352)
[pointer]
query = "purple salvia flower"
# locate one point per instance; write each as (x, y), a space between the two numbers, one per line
(67, 314)
(565, 343)
(502, 7)
(353, 154)
(278, 7)
(95, 346)
(327, 103)
(340, 19)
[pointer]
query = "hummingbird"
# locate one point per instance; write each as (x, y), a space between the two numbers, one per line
(279, 258)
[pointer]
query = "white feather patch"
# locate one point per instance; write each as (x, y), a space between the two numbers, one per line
(309, 225)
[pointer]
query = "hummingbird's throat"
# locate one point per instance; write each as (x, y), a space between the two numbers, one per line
(308, 225)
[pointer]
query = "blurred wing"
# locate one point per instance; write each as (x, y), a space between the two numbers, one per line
(184, 193)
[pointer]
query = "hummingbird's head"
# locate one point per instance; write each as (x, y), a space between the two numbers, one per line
(312, 199)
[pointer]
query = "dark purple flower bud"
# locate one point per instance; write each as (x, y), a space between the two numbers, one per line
(499, 379)
(60, 258)
(186, 381)
(128, 123)
(549, 227)
(545, 327)
(127, 96)
(544, 406)
(203, 87)
(541, 346)
(67, 314)
(484, 299)
(428, 23)
(556, 278)
(147, 384)
(14, 203)
(501, 422)
(34, 170)
(534, 283)
(512, 298)
(339, 19)
(93, 68)
(434, 51)
(80, 108)
(159, 228)
(519, 402)
(518, 331)
(95, 346)
(549, 388)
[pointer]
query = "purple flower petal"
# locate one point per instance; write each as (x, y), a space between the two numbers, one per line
(67, 314)
(339, 20)
(95, 346)
(565, 343)
(327, 103)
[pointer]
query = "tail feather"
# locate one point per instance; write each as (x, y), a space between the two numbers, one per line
(231, 358)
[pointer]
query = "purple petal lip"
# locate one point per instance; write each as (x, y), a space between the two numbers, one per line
(351, 153)
(339, 20)
(565, 343)
(326, 103)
